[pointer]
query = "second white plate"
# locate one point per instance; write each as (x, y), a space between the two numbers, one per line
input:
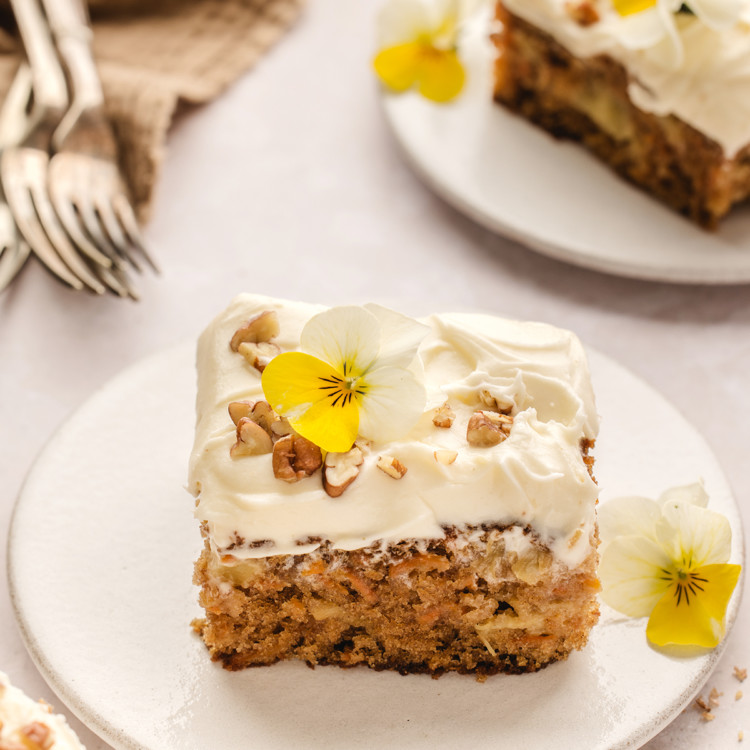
(550, 195)
(100, 558)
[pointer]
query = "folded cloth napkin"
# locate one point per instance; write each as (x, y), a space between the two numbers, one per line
(153, 54)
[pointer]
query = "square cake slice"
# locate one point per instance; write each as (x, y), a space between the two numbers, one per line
(464, 540)
(667, 109)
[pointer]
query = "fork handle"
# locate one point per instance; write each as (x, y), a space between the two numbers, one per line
(68, 20)
(50, 89)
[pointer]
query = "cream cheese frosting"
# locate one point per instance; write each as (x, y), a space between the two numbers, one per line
(535, 478)
(707, 86)
(23, 719)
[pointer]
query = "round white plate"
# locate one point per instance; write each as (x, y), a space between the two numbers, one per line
(553, 196)
(100, 562)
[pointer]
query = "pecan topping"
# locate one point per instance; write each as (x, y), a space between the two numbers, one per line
(443, 416)
(445, 457)
(36, 736)
(295, 458)
(583, 13)
(487, 428)
(239, 409)
(262, 327)
(340, 470)
(391, 466)
(252, 439)
(258, 355)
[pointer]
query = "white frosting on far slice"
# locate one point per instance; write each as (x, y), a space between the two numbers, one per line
(18, 716)
(708, 89)
(536, 477)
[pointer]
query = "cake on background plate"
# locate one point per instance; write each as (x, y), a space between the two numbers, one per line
(26, 724)
(452, 528)
(660, 94)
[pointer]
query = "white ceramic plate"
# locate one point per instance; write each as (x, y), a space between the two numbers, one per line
(100, 562)
(552, 196)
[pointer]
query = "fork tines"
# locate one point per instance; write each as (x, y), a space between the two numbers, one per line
(61, 178)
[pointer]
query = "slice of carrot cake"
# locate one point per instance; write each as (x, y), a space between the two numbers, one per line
(657, 91)
(406, 495)
(26, 724)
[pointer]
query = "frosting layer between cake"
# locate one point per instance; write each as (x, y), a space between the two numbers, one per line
(536, 477)
(707, 85)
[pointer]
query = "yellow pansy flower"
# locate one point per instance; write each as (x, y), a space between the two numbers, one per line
(418, 47)
(628, 7)
(354, 376)
(667, 560)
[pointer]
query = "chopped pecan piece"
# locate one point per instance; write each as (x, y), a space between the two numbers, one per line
(583, 13)
(280, 427)
(487, 428)
(258, 355)
(495, 403)
(391, 466)
(263, 415)
(262, 327)
(252, 439)
(36, 736)
(445, 457)
(295, 458)
(341, 469)
(239, 409)
(443, 416)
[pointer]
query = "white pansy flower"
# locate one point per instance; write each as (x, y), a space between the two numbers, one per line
(355, 376)
(666, 559)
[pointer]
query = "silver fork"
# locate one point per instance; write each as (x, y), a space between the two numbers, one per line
(14, 250)
(23, 169)
(85, 182)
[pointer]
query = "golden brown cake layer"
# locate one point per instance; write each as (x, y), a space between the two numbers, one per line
(586, 100)
(481, 600)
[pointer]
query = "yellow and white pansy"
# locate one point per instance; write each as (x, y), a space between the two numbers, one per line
(418, 47)
(356, 375)
(666, 559)
(654, 24)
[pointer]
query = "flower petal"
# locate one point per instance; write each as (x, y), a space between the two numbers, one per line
(400, 336)
(333, 429)
(718, 14)
(441, 75)
(348, 338)
(699, 620)
(628, 7)
(402, 21)
(293, 385)
(631, 571)
(694, 493)
(292, 382)
(446, 18)
(628, 516)
(392, 403)
(693, 536)
(642, 30)
(398, 66)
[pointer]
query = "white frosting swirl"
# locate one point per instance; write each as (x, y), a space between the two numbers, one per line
(709, 87)
(18, 711)
(536, 477)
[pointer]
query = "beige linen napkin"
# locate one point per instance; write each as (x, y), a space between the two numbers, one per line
(154, 54)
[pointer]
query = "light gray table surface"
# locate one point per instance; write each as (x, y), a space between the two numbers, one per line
(290, 184)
